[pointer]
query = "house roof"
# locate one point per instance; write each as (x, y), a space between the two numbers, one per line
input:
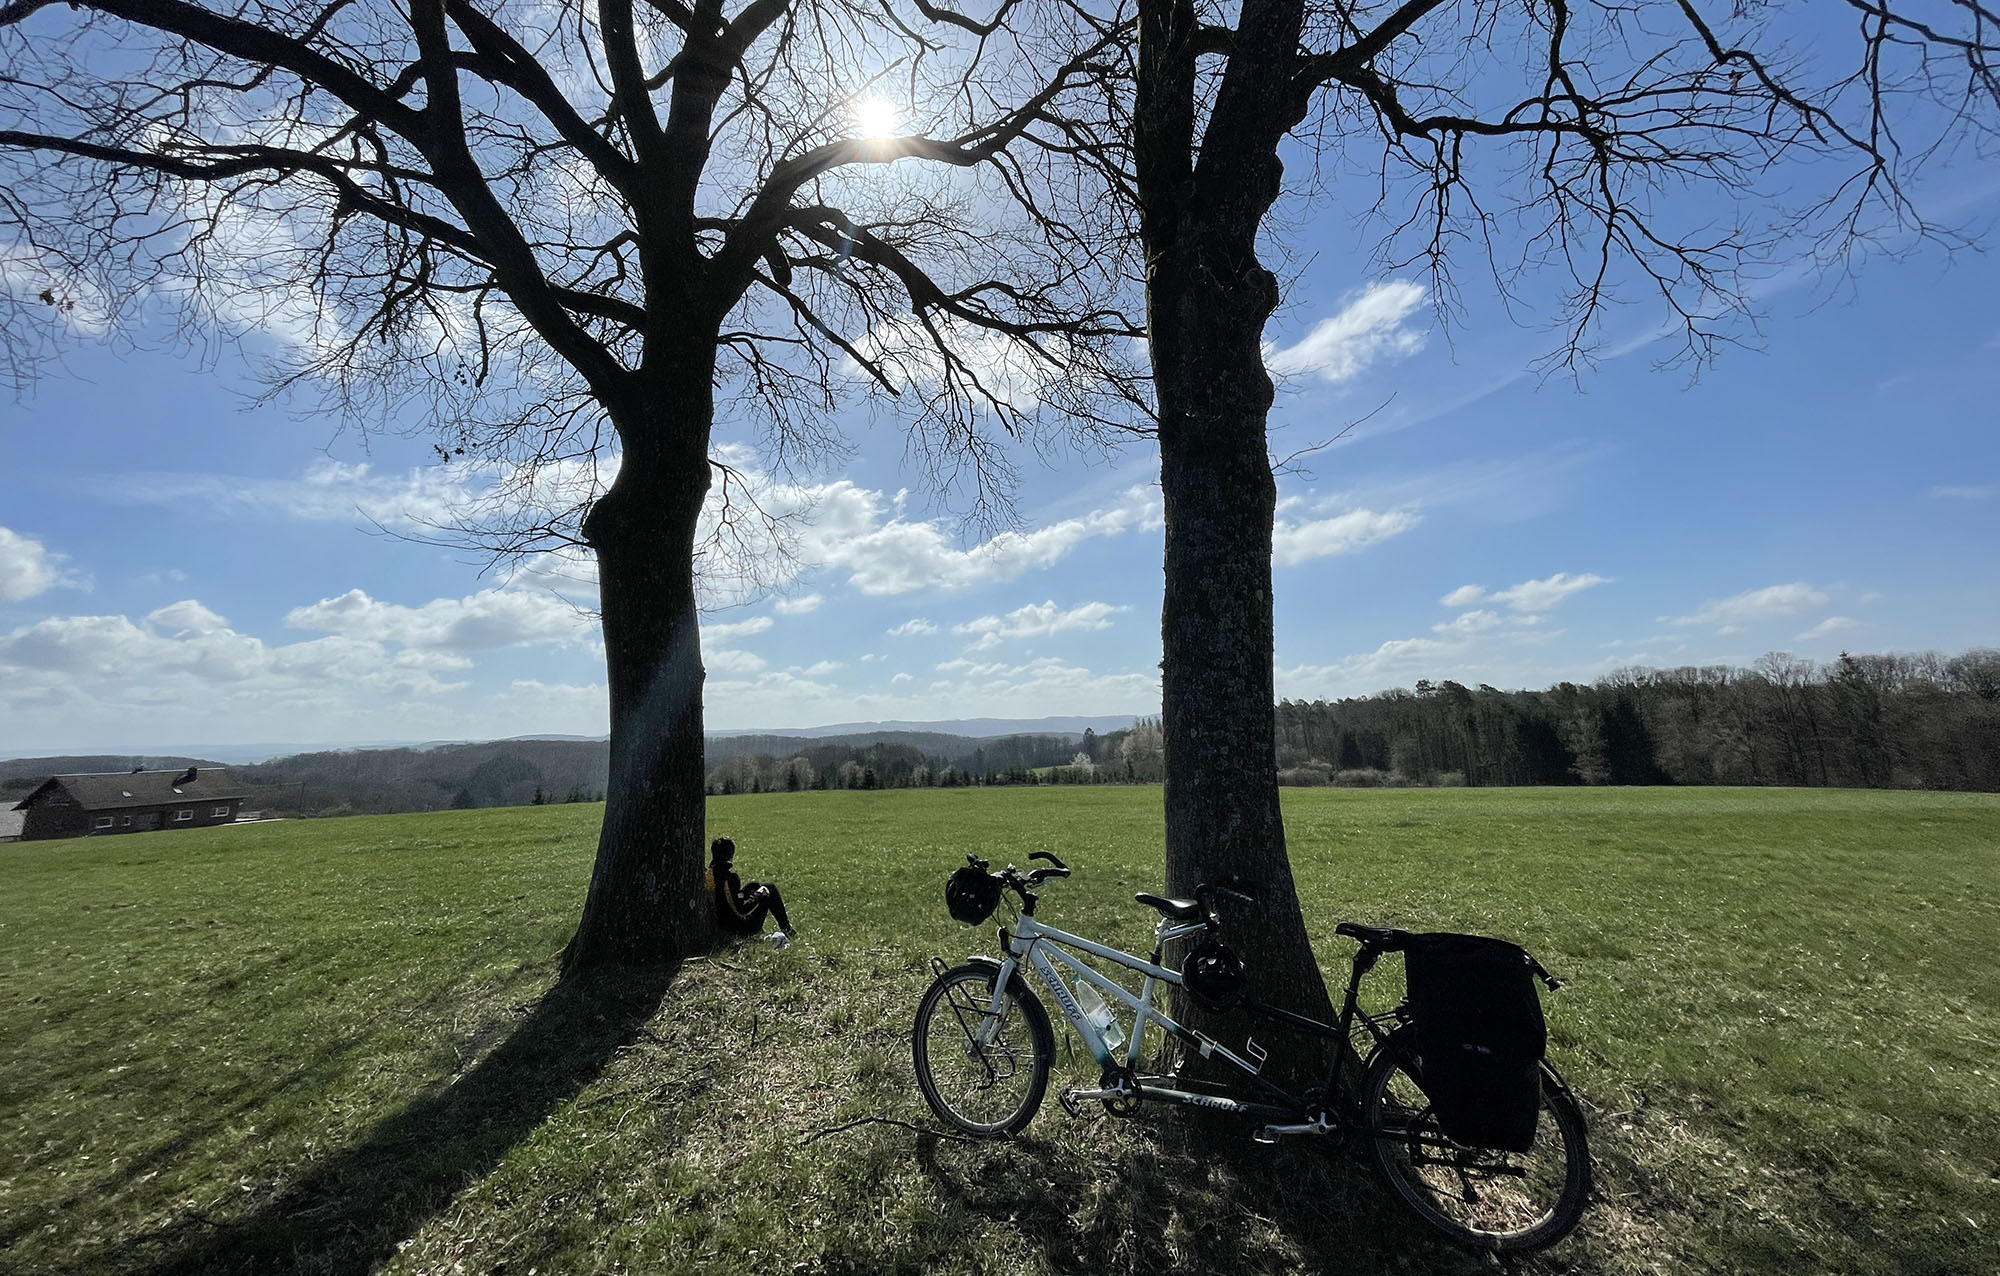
(121, 790)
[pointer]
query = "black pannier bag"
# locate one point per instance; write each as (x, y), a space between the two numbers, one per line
(1480, 1036)
(972, 894)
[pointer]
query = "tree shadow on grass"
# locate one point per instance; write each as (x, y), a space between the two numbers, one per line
(345, 1215)
(1178, 1199)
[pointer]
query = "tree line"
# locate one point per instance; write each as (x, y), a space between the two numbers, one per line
(1899, 720)
(1131, 755)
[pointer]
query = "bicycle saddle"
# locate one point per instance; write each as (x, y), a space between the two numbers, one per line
(1181, 910)
(1386, 938)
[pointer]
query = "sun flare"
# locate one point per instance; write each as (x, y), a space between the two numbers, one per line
(876, 118)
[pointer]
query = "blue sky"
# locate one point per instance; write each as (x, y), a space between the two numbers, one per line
(177, 568)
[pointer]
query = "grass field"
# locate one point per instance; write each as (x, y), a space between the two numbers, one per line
(326, 1046)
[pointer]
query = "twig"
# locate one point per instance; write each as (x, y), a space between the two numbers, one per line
(876, 1120)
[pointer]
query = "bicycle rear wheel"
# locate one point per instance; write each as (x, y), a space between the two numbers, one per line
(1486, 1199)
(993, 1088)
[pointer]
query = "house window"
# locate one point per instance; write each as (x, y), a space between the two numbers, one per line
(183, 815)
(104, 821)
(220, 813)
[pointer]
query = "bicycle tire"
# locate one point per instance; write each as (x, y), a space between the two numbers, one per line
(1505, 1202)
(991, 1090)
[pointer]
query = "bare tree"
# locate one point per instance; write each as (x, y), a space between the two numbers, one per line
(1549, 138)
(555, 229)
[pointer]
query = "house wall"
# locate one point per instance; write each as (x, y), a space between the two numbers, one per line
(45, 821)
(150, 818)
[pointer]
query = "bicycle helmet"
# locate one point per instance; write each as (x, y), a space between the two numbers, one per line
(972, 894)
(1213, 976)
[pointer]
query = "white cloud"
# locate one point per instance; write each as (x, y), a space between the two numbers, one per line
(853, 529)
(1293, 543)
(1755, 605)
(735, 629)
(1503, 655)
(77, 304)
(1037, 620)
(1341, 347)
(912, 627)
(186, 617)
(838, 525)
(187, 662)
(328, 491)
(1961, 493)
(821, 668)
(1400, 660)
(728, 661)
(1530, 596)
(27, 568)
(489, 619)
(1003, 368)
(1541, 595)
(1471, 622)
(964, 689)
(1831, 625)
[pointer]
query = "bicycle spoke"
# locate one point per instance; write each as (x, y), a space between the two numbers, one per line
(1486, 1197)
(982, 1070)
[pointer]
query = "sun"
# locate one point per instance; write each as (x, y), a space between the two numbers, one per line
(876, 118)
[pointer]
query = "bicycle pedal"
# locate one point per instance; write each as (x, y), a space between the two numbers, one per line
(1069, 1102)
(1262, 1134)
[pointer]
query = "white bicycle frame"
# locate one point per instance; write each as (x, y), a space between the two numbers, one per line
(1041, 947)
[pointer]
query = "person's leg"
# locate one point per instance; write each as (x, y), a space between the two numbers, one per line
(777, 906)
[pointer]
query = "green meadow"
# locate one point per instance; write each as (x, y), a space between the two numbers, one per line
(337, 1046)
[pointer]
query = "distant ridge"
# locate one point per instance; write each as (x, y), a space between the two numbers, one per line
(116, 759)
(975, 728)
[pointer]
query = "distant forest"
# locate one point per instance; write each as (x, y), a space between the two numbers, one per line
(1923, 721)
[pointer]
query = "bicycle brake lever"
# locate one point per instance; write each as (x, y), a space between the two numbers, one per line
(1050, 857)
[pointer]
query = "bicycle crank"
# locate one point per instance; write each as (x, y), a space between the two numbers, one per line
(1117, 1090)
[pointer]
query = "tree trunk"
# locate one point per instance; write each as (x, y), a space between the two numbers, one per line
(1217, 629)
(1217, 680)
(1207, 299)
(646, 901)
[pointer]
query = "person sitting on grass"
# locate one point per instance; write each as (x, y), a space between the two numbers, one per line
(740, 907)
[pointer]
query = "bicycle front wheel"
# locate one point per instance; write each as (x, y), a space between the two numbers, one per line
(984, 1073)
(1486, 1199)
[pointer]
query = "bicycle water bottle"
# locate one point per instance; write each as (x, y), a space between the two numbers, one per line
(1098, 1013)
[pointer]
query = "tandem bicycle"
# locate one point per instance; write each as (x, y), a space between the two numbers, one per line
(984, 1047)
